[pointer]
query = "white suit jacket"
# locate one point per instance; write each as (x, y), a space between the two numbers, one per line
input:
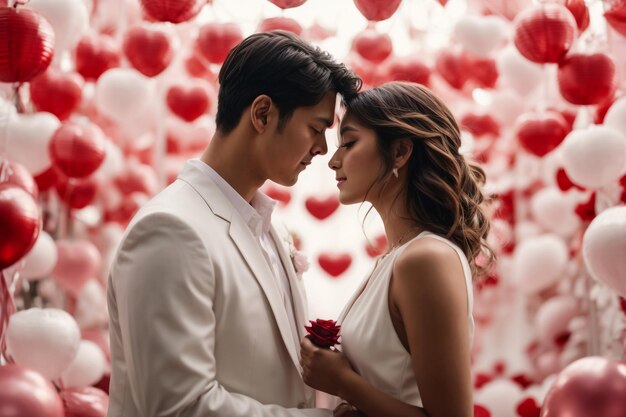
(197, 321)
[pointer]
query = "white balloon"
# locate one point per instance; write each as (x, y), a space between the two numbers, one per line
(41, 259)
(45, 340)
(123, 94)
(616, 116)
(517, 72)
(539, 262)
(481, 35)
(604, 248)
(500, 397)
(69, 20)
(27, 140)
(554, 211)
(506, 106)
(87, 367)
(594, 156)
(554, 316)
(91, 306)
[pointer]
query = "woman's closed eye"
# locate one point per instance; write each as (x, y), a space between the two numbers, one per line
(347, 144)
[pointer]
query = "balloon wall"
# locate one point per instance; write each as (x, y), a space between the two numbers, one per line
(101, 102)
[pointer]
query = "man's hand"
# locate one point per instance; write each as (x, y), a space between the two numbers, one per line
(346, 410)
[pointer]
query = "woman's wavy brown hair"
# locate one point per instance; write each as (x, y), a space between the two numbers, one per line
(443, 190)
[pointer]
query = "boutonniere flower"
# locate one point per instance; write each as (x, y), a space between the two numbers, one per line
(323, 333)
(298, 259)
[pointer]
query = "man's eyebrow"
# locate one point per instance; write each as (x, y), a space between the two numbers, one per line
(324, 120)
(347, 128)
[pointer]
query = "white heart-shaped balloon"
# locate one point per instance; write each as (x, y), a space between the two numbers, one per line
(594, 156)
(517, 72)
(27, 139)
(554, 211)
(539, 263)
(604, 246)
(87, 368)
(69, 20)
(481, 35)
(123, 94)
(45, 340)
(616, 116)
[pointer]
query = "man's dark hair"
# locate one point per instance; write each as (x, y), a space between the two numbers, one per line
(284, 67)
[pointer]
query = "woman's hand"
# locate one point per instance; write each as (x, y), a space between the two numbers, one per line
(346, 410)
(323, 369)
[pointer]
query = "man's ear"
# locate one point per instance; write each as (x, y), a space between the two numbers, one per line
(260, 110)
(401, 151)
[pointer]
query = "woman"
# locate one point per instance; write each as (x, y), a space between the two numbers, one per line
(407, 332)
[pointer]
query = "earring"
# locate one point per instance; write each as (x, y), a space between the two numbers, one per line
(395, 172)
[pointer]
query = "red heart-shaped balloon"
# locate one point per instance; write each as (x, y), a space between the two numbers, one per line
(528, 408)
(148, 50)
(188, 103)
(587, 79)
(172, 11)
(544, 34)
(540, 133)
(288, 4)
(616, 15)
(480, 124)
(408, 69)
(95, 54)
(282, 195)
(378, 247)
(215, 40)
(26, 44)
(57, 92)
(480, 411)
(483, 72)
(321, 208)
(19, 221)
(453, 67)
(377, 10)
(372, 45)
(334, 264)
(280, 23)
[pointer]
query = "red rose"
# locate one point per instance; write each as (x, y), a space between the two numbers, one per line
(323, 333)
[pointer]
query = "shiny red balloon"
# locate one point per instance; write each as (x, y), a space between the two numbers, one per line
(18, 175)
(215, 40)
(288, 4)
(77, 150)
(580, 12)
(587, 79)
(372, 45)
(591, 386)
(26, 44)
(174, 11)
(26, 393)
(188, 103)
(95, 54)
(545, 33)
(77, 194)
(20, 223)
(47, 179)
(85, 402)
(616, 15)
(149, 50)
(377, 10)
(57, 92)
(540, 133)
(280, 23)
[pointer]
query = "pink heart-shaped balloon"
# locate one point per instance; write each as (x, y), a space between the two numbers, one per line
(78, 261)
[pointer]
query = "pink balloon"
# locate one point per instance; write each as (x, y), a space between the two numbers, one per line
(85, 402)
(591, 386)
(26, 393)
(78, 261)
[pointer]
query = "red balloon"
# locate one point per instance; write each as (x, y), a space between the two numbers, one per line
(148, 50)
(20, 223)
(377, 10)
(215, 40)
(545, 33)
(288, 4)
(19, 175)
(95, 54)
(26, 393)
(453, 67)
(587, 79)
(137, 178)
(280, 23)
(188, 103)
(26, 44)
(334, 264)
(483, 72)
(591, 386)
(377, 247)
(580, 12)
(174, 11)
(77, 150)
(85, 402)
(322, 208)
(77, 194)
(616, 16)
(408, 69)
(47, 179)
(540, 133)
(373, 46)
(197, 68)
(480, 124)
(57, 92)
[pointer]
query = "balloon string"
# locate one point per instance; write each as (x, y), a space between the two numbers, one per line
(6, 311)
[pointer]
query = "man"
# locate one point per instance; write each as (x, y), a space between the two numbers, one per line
(206, 311)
